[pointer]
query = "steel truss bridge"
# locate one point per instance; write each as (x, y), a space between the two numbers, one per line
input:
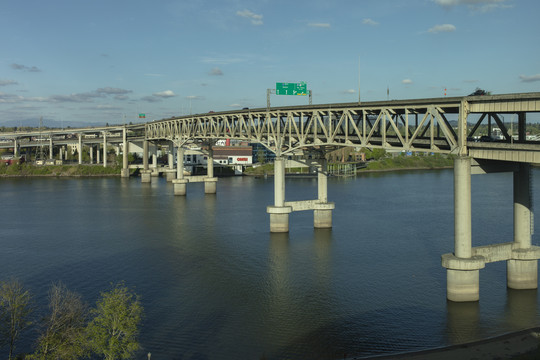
(440, 125)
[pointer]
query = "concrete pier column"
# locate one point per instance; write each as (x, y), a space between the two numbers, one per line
(171, 172)
(154, 166)
(180, 162)
(125, 151)
(15, 148)
(322, 214)
(279, 213)
(61, 153)
(50, 147)
(463, 276)
(462, 207)
(522, 270)
(145, 173)
(171, 156)
(91, 153)
(145, 154)
(104, 149)
(80, 148)
(210, 182)
(180, 183)
(98, 156)
(154, 159)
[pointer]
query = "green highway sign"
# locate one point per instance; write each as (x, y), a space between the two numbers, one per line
(299, 88)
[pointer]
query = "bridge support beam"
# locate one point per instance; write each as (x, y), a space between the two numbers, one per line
(279, 213)
(125, 150)
(155, 171)
(104, 149)
(179, 184)
(80, 148)
(462, 277)
(322, 213)
(210, 182)
(171, 172)
(146, 176)
(522, 273)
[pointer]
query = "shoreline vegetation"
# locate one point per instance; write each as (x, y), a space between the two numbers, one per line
(30, 170)
(386, 164)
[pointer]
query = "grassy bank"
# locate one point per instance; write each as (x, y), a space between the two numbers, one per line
(436, 161)
(57, 170)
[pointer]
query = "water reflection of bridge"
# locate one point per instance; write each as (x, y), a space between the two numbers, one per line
(442, 125)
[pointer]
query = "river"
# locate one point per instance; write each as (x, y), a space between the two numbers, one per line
(215, 284)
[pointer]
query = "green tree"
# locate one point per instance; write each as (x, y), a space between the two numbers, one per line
(63, 329)
(15, 309)
(113, 331)
(260, 156)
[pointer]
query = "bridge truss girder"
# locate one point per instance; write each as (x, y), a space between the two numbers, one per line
(408, 128)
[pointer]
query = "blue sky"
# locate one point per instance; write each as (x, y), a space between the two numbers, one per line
(106, 61)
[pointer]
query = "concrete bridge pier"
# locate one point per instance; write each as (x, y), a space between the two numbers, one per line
(210, 182)
(154, 166)
(125, 150)
(279, 213)
(180, 183)
(16, 151)
(171, 172)
(522, 268)
(463, 269)
(322, 212)
(80, 148)
(146, 173)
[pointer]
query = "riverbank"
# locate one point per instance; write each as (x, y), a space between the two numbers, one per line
(398, 163)
(520, 345)
(28, 170)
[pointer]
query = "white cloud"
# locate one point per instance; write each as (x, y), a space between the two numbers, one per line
(406, 81)
(320, 25)
(25, 68)
(349, 91)
(369, 22)
(76, 98)
(112, 91)
(256, 19)
(475, 5)
(9, 98)
(442, 28)
(532, 78)
(223, 60)
(164, 94)
(216, 71)
(7, 82)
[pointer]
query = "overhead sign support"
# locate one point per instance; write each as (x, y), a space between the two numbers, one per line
(299, 88)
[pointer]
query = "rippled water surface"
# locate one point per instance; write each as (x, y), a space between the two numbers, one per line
(215, 284)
